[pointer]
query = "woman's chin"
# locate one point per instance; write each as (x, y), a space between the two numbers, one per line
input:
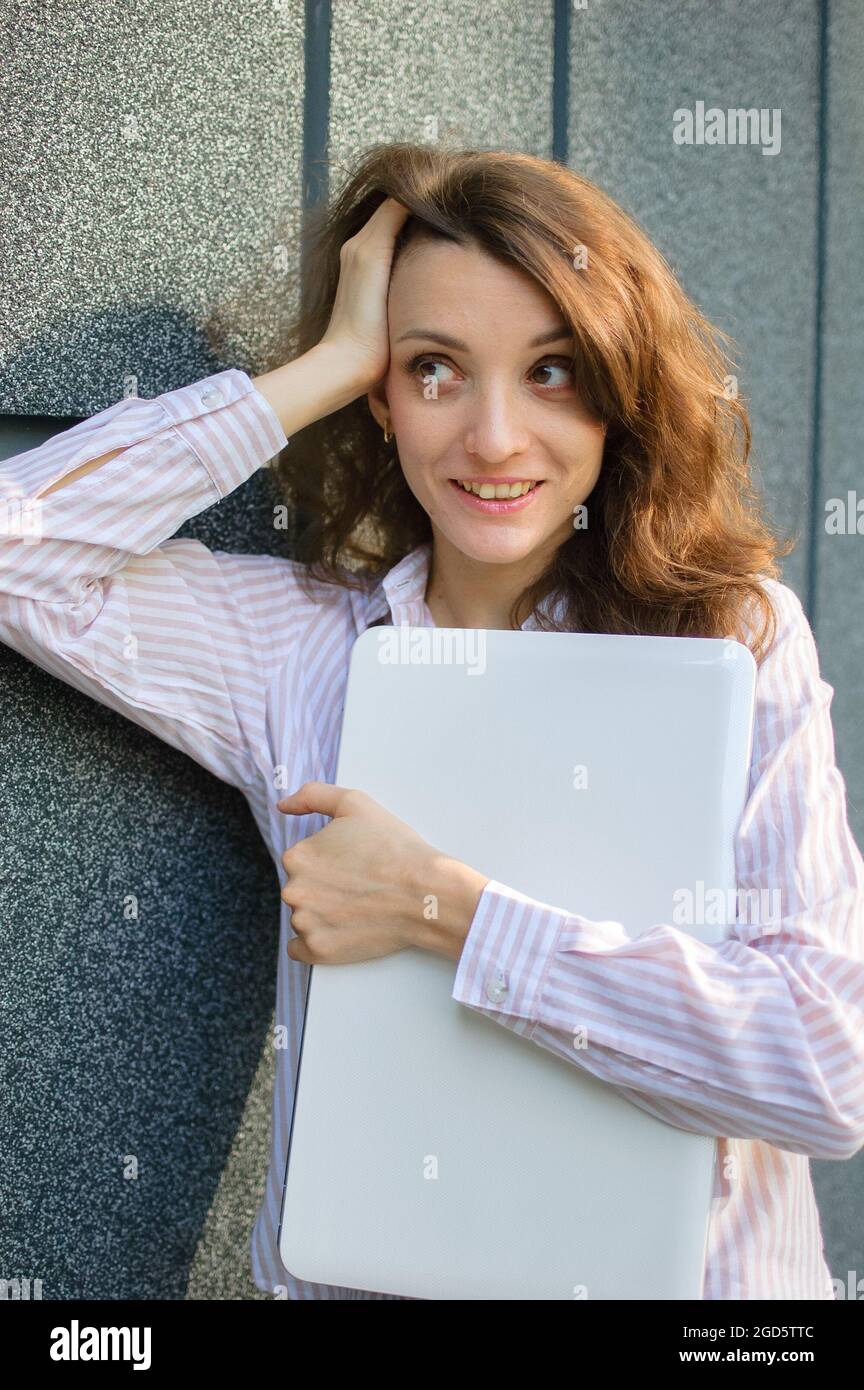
(500, 543)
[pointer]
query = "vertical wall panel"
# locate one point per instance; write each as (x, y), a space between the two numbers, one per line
(150, 205)
(151, 195)
(737, 225)
(463, 74)
(840, 557)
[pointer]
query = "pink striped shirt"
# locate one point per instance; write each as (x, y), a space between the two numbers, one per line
(759, 1040)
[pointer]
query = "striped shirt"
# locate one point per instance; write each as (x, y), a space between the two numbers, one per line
(758, 1040)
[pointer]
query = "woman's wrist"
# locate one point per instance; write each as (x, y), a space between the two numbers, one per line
(445, 893)
(311, 386)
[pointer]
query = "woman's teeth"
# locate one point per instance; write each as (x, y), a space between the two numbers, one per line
(497, 489)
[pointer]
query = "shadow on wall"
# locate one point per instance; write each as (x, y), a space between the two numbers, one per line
(71, 368)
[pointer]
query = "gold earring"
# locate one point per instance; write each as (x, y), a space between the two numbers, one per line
(387, 435)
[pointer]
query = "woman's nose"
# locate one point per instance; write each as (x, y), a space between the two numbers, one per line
(497, 429)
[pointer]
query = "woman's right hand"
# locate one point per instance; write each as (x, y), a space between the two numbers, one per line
(358, 327)
(354, 353)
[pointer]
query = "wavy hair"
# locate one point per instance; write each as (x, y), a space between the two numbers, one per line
(676, 543)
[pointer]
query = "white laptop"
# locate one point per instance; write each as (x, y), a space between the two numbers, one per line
(433, 1152)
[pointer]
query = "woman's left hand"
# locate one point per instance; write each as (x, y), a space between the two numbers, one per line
(367, 884)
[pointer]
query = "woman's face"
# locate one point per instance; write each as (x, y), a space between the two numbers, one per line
(475, 396)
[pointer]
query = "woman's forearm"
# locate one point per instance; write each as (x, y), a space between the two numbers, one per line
(320, 381)
(313, 385)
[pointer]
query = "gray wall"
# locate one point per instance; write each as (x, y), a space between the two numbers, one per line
(162, 160)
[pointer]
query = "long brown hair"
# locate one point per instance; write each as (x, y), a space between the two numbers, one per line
(676, 543)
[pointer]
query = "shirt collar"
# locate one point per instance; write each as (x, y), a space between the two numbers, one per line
(402, 591)
(404, 588)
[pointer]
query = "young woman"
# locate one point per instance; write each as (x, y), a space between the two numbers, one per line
(526, 352)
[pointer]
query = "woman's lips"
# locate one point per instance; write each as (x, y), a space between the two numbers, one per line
(494, 506)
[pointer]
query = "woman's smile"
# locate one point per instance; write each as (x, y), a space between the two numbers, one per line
(496, 495)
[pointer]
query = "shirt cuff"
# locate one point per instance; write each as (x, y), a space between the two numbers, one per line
(510, 945)
(228, 424)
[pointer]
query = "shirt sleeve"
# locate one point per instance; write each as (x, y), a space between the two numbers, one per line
(760, 1036)
(169, 633)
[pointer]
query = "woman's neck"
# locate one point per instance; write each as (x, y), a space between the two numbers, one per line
(462, 592)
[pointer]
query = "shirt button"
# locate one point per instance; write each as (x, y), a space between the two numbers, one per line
(496, 986)
(211, 396)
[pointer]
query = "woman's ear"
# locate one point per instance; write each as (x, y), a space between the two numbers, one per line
(377, 398)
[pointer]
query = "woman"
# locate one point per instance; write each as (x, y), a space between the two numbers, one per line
(510, 330)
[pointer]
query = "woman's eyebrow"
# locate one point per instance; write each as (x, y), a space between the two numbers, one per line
(554, 335)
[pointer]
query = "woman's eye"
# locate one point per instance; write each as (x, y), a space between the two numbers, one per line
(428, 365)
(564, 365)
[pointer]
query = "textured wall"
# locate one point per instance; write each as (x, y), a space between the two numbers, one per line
(154, 194)
(158, 160)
